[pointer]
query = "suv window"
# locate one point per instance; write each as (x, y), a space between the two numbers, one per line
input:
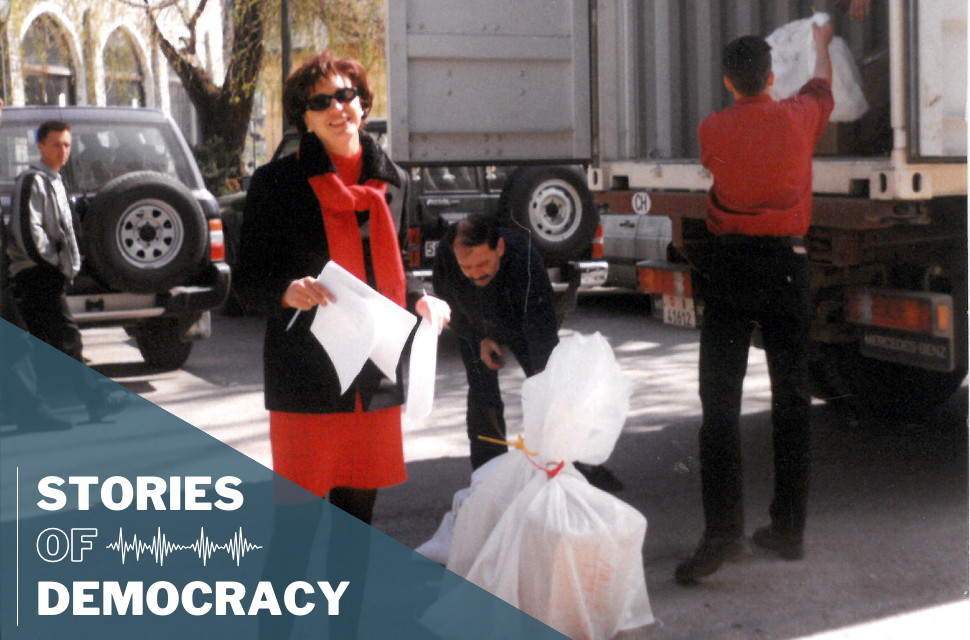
(99, 153)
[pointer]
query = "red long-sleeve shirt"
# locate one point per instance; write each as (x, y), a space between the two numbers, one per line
(759, 151)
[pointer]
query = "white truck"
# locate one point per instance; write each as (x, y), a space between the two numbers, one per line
(620, 86)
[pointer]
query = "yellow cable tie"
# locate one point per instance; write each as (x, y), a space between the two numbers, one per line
(518, 443)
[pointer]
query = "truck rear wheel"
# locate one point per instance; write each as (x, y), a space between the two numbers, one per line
(554, 206)
(841, 374)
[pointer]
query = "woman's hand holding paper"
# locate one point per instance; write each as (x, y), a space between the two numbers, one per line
(306, 293)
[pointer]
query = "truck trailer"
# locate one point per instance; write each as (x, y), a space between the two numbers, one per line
(620, 87)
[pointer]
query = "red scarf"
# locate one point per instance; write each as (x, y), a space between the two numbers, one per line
(339, 204)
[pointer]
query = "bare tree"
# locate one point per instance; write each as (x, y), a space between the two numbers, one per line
(224, 111)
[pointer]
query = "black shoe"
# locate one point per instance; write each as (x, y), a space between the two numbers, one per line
(788, 547)
(711, 553)
(41, 418)
(600, 477)
(108, 405)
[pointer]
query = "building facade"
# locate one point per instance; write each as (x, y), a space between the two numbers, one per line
(102, 52)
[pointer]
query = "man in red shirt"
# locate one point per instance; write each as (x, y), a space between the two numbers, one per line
(760, 153)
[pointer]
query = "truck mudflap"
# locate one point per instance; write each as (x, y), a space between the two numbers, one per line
(911, 328)
(671, 288)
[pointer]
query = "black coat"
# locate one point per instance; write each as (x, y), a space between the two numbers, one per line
(283, 238)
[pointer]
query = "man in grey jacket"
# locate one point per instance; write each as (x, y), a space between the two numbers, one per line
(44, 258)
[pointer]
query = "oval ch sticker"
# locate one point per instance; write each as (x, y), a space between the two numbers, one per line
(641, 202)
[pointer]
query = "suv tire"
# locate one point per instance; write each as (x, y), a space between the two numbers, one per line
(144, 232)
(554, 205)
(160, 342)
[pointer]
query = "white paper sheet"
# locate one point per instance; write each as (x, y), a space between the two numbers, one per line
(421, 370)
(360, 324)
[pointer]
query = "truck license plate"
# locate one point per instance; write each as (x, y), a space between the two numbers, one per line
(679, 311)
(430, 248)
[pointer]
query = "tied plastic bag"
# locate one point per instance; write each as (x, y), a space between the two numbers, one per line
(533, 531)
(569, 555)
(793, 63)
(575, 409)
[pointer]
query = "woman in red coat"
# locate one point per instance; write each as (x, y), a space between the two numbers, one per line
(329, 201)
(338, 198)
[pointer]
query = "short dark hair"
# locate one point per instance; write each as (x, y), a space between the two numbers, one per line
(296, 91)
(747, 64)
(51, 125)
(474, 230)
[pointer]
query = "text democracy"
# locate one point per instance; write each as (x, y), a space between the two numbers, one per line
(53, 598)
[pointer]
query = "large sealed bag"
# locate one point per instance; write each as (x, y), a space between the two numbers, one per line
(533, 531)
(793, 63)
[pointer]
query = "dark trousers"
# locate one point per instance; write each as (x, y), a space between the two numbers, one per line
(486, 411)
(40, 299)
(764, 283)
(294, 529)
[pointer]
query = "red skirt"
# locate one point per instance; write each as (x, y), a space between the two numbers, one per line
(320, 451)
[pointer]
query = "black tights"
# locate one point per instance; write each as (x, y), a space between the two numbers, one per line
(357, 502)
(294, 528)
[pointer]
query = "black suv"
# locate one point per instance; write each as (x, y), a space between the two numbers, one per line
(150, 232)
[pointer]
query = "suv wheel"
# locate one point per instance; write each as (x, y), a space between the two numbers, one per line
(554, 205)
(160, 342)
(144, 232)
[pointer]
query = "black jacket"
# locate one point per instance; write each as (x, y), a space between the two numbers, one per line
(514, 308)
(283, 238)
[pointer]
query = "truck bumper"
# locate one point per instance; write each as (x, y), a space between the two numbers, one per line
(911, 328)
(582, 275)
(592, 273)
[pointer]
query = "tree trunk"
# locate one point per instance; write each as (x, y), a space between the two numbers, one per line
(224, 111)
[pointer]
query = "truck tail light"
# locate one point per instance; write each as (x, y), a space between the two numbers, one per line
(414, 246)
(217, 243)
(925, 313)
(597, 253)
(665, 281)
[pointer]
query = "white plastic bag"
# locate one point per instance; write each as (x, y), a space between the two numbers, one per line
(575, 409)
(567, 554)
(549, 543)
(494, 487)
(793, 63)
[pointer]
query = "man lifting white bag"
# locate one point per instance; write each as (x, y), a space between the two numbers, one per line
(533, 531)
(793, 63)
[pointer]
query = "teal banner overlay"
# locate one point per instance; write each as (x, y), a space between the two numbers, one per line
(143, 526)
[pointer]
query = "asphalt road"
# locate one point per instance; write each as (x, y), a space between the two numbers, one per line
(887, 540)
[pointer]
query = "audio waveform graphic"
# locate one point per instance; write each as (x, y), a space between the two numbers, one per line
(160, 547)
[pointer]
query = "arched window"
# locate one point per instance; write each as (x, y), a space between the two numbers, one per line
(48, 69)
(123, 76)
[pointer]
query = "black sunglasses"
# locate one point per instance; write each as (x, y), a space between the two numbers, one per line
(321, 101)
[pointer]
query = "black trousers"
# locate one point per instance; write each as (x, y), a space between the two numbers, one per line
(755, 282)
(294, 529)
(485, 413)
(40, 298)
